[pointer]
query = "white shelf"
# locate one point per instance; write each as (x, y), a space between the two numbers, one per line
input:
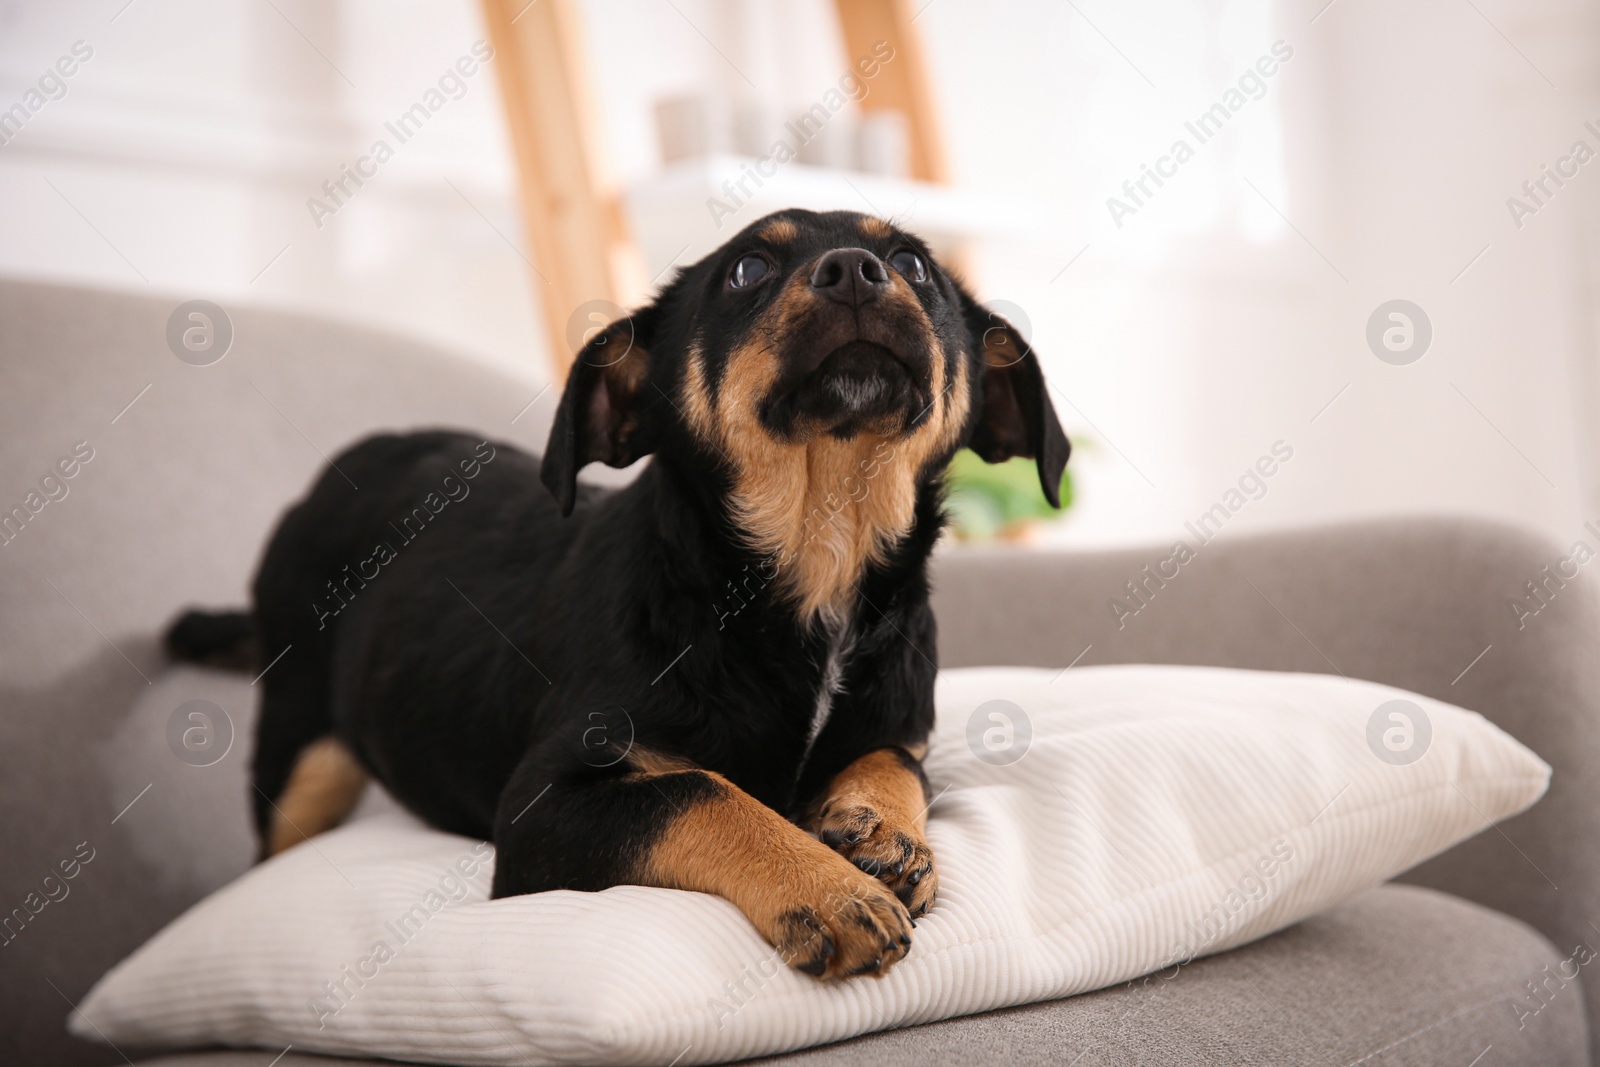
(673, 223)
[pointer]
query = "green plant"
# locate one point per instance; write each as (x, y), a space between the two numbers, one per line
(998, 499)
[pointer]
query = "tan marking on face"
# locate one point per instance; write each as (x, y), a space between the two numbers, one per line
(796, 891)
(999, 350)
(697, 395)
(624, 367)
(323, 788)
(778, 232)
(624, 360)
(874, 227)
(821, 508)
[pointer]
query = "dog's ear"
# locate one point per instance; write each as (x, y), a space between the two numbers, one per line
(603, 417)
(1016, 417)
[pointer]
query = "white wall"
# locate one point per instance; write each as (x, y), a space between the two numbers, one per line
(195, 135)
(1205, 328)
(1183, 343)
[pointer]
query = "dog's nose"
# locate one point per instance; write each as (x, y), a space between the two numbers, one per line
(851, 276)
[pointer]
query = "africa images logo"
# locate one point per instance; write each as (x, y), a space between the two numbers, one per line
(999, 732)
(1399, 732)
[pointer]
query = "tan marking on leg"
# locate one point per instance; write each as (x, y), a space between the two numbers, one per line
(823, 915)
(881, 780)
(323, 788)
(778, 232)
(648, 763)
(875, 812)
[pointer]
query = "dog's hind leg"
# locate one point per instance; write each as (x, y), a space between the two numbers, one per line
(305, 779)
(323, 788)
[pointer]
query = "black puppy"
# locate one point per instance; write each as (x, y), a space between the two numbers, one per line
(647, 685)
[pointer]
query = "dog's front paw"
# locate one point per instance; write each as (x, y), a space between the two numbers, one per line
(850, 925)
(890, 851)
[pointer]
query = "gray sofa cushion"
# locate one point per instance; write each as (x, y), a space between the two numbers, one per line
(1396, 977)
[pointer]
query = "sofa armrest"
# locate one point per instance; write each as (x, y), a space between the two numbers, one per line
(1424, 604)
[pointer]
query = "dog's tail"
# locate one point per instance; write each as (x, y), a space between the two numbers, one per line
(225, 639)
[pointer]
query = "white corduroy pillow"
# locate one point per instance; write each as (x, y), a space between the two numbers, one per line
(1089, 827)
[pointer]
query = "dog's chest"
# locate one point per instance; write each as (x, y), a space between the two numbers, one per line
(840, 642)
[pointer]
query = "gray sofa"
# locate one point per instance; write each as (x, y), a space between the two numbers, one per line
(184, 484)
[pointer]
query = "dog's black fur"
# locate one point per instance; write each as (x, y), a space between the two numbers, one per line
(508, 665)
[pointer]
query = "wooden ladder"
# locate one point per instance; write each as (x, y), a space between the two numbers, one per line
(576, 224)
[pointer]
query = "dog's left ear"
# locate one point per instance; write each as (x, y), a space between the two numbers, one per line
(1016, 417)
(602, 417)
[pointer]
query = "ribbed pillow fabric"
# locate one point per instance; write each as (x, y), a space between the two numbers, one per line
(1090, 827)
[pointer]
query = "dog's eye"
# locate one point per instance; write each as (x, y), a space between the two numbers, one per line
(748, 271)
(909, 265)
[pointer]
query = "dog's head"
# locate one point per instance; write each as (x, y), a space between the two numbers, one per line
(807, 352)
